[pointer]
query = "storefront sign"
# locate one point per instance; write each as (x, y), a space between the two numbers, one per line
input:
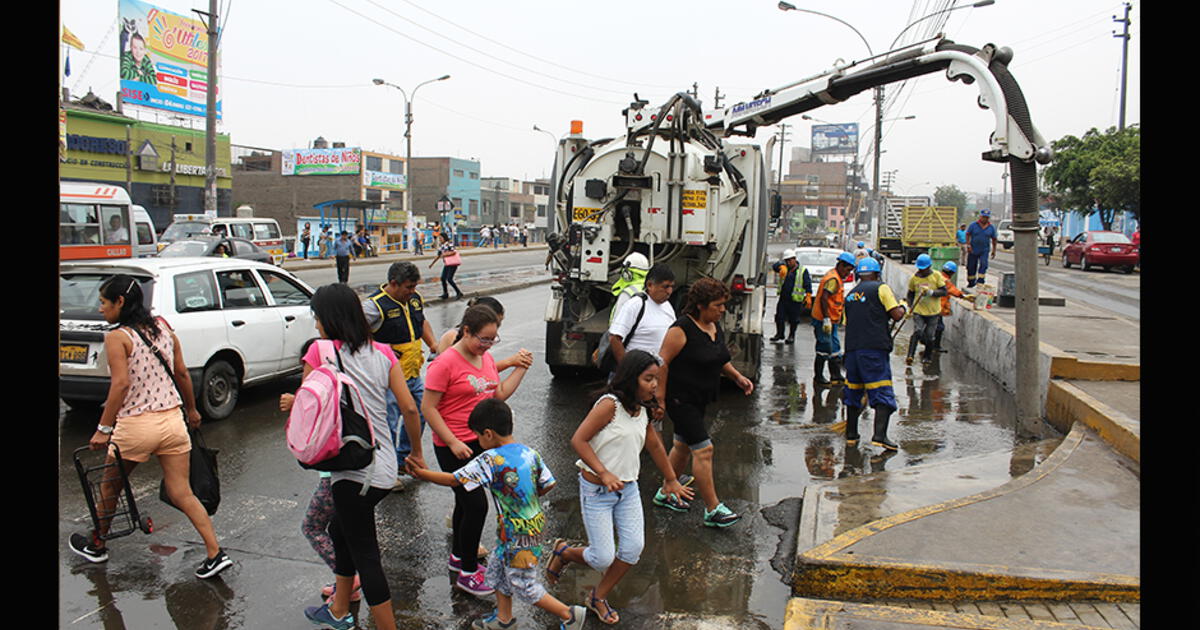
(192, 169)
(322, 161)
(90, 144)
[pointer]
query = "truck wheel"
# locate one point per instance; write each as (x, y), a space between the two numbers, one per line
(219, 390)
(564, 371)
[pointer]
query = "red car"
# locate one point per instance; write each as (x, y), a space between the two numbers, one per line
(1101, 249)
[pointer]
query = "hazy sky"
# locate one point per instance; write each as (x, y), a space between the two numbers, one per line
(293, 70)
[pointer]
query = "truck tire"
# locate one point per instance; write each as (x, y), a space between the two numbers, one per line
(219, 390)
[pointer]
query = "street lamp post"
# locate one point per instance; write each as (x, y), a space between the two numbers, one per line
(408, 136)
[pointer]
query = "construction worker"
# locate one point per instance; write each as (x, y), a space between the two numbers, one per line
(948, 271)
(860, 251)
(631, 281)
(871, 309)
(793, 297)
(827, 313)
(924, 289)
(981, 238)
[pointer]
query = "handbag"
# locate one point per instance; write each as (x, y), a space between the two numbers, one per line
(452, 259)
(202, 469)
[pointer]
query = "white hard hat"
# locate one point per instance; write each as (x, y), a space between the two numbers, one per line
(637, 261)
(789, 253)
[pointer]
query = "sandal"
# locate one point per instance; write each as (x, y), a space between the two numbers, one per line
(559, 547)
(611, 617)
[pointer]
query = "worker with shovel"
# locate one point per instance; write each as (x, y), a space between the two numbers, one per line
(870, 309)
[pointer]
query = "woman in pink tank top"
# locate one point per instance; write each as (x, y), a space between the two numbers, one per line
(145, 415)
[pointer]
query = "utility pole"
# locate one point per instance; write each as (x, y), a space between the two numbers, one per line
(1004, 213)
(173, 169)
(877, 209)
(696, 91)
(1124, 61)
(717, 96)
(782, 139)
(210, 124)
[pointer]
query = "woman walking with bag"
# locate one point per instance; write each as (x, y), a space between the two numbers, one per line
(148, 412)
(694, 350)
(374, 368)
(451, 259)
(455, 382)
(610, 442)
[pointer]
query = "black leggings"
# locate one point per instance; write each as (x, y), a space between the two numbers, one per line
(448, 276)
(355, 546)
(470, 509)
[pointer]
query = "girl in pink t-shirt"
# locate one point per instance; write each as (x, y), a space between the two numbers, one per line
(455, 382)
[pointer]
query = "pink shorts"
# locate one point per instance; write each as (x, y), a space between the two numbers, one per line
(152, 433)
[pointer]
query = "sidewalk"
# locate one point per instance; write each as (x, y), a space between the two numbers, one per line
(1057, 547)
(295, 264)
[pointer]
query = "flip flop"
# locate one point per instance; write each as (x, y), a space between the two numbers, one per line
(611, 618)
(558, 547)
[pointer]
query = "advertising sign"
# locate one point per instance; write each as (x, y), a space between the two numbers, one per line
(379, 179)
(322, 161)
(833, 139)
(164, 59)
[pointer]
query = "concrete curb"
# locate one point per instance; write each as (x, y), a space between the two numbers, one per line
(1067, 405)
(816, 614)
(831, 571)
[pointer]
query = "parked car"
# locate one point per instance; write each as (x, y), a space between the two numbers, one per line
(1103, 249)
(818, 261)
(240, 323)
(147, 239)
(1004, 234)
(199, 246)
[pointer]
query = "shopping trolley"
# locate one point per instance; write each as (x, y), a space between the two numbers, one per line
(122, 516)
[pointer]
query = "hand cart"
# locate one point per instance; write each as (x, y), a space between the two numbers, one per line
(1045, 251)
(123, 515)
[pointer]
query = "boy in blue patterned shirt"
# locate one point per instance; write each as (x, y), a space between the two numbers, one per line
(516, 477)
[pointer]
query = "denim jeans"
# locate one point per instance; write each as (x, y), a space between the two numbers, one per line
(607, 513)
(416, 387)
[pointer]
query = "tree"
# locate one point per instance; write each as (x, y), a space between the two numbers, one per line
(950, 196)
(1098, 173)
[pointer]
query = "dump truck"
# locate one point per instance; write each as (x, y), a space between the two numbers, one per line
(924, 227)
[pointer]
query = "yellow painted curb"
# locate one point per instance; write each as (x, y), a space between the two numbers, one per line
(1066, 405)
(831, 571)
(1068, 367)
(813, 614)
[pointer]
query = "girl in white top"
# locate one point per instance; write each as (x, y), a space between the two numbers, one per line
(609, 442)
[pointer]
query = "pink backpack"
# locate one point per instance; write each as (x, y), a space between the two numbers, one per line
(324, 429)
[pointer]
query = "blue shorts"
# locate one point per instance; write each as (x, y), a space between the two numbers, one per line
(869, 372)
(525, 584)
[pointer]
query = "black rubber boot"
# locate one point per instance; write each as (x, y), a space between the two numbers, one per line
(791, 338)
(819, 372)
(835, 372)
(882, 414)
(779, 326)
(852, 415)
(937, 341)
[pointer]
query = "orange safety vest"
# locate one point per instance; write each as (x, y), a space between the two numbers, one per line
(836, 299)
(951, 290)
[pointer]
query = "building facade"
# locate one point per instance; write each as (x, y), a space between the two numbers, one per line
(455, 179)
(161, 166)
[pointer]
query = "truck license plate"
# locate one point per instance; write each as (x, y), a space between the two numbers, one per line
(72, 353)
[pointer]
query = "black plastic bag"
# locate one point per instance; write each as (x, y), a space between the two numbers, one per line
(202, 475)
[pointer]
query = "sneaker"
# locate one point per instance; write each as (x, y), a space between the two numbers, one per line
(473, 583)
(82, 545)
(321, 616)
(721, 517)
(908, 361)
(578, 616)
(214, 565)
(492, 622)
(670, 502)
(686, 480)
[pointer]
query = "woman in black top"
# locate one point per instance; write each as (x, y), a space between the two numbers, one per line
(694, 356)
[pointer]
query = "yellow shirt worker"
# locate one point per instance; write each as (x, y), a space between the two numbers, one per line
(925, 290)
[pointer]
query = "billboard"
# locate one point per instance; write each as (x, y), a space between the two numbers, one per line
(164, 59)
(834, 139)
(339, 161)
(379, 179)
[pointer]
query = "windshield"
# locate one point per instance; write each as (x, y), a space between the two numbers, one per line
(1109, 237)
(185, 248)
(816, 259)
(184, 229)
(79, 294)
(1005, 225)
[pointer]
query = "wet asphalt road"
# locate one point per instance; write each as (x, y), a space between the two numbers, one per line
(768, 446)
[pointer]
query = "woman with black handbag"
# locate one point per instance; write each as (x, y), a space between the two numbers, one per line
(147, 412)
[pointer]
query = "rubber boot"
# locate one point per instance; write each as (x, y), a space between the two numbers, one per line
(882, 414)
(937, 342)
(835, 371)
(791, 338)
(852, 415)
(779, 324)
(912, 349)
(819, 373)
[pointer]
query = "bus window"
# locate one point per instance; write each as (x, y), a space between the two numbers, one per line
(116, 228)
(79, 224)
(242, 230)
(266, 231)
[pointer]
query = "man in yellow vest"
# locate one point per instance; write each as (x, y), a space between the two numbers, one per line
(396, 315)
(794, 290)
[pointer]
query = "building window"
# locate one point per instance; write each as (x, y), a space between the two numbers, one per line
(487, 206)
(396, 167)
(187, 147)
(458, 172)
(457, 201)
(474, 206)
(373, 194)
(474, 175)
(514, 210)
(541, 210)
(374, 163)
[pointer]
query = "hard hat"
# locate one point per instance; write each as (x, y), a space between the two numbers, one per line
(847, 258)
(950, 267)
(924, 261)
(985, 213)
(867, 265)
(637, 261)
(789, 253)
(862, 244)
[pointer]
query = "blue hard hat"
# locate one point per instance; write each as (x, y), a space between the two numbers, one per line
(847, 258)
(862, 244)
(985, 213)
(867, 265)
(950, 267)
(924, 261)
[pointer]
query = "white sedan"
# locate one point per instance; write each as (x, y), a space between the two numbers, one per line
(240, 323)
(818, 261)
